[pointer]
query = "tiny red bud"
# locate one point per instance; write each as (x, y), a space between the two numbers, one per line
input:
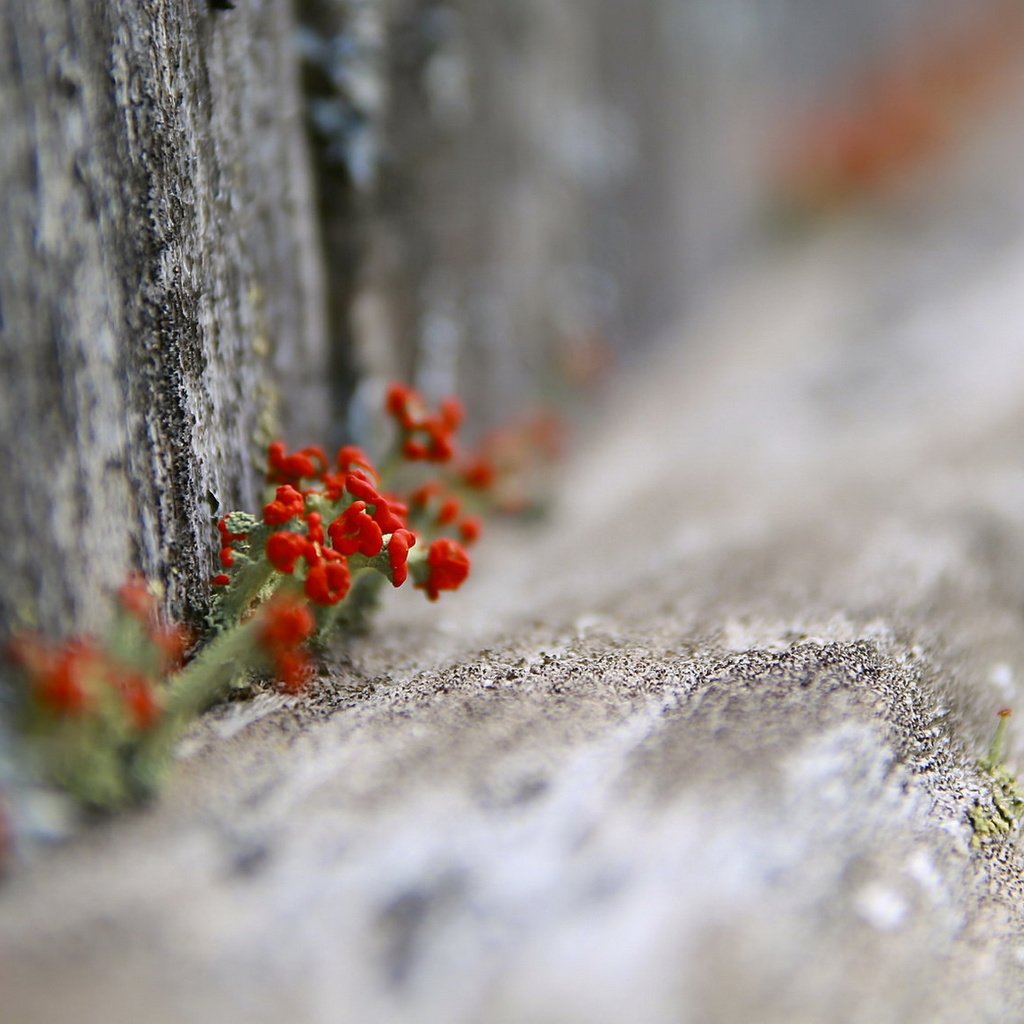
(422, 495)
(287, 504)
(285, 468)
(440, 449)
(135, 597)
(451, 412)
(354, 530)
(479, 474)
(287, 622)
(398, 555)
(61, 686)
(361, 488)
(387, 514)
(350, 455)
(284, 550)
(226, 535)
(172, 642)
(314, 528)
(140, 701)
(470, 529)
(400, 401)
(328, 583)
(448, 566)
(415, 451)
(293, 671)
(448, 512)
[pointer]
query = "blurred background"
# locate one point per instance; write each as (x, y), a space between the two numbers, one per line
(228, 222)
(539, 189)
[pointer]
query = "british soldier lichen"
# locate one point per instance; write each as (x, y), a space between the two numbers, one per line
(102, 714)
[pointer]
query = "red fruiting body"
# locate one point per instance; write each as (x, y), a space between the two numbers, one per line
(333, 486)
(120, 691)
(422, 495)
(172, 642)
(398, 555)
(387, 513)
(227, 552)
(349, 455)
(68, 680)
(135, 598)
(293, 669)
(328, 582)
(288, 504)
(290, 469)
(354, 530)
(61, 685)
(439, 446)
(399, 399)
(318, 457)
(470, 529)
(434, 443)
(448, 512)
(226, 534)
(391, 514)
(315, 528)
(286, 625)
(479, 474)
(451, 413)
(139, 701)
(284, 549)
(448, 566)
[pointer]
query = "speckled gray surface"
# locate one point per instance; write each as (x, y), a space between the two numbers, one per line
(700, 750)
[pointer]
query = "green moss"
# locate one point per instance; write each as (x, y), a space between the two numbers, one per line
(1001, 817)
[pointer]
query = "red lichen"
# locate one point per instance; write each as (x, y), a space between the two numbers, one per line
(424, 436)
(328, 582)
(470, 529)
(398, 555)
(287, 504)
(448, 566)
(286, 623)
(355, 530)
(284, 549)
(309, 462)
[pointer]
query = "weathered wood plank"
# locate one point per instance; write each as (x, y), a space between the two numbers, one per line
(159, 281)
